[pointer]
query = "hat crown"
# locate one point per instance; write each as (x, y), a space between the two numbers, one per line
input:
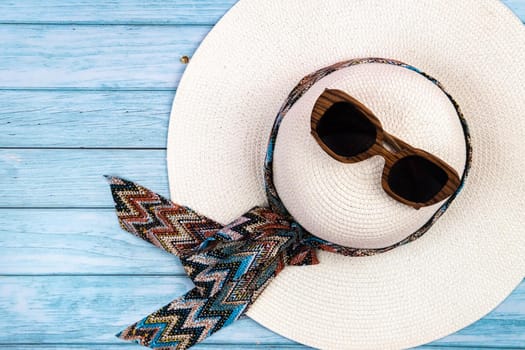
(345, 203)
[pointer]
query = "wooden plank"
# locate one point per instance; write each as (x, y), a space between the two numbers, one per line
(114, 119)
(133, 11)
(74, 178)
(76, 242)
(78, 309)
(52, 56)
(117, 11)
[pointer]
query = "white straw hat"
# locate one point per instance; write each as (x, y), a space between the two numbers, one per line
(468, 261)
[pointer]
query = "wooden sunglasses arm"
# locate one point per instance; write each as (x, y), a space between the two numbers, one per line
(396, 144)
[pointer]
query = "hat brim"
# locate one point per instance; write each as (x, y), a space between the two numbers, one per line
(469, 261)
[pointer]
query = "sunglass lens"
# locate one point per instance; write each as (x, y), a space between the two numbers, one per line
(416, 179)
(345, 130)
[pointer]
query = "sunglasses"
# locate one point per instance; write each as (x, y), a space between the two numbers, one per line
(349, 132)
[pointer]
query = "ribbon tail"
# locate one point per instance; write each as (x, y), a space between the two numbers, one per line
(185, 321)
(171, 227)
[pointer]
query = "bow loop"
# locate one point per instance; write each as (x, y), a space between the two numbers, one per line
(229, 265)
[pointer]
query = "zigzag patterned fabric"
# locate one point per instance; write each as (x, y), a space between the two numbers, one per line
(229, 265)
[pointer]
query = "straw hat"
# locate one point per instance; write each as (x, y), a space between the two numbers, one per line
(467, 262)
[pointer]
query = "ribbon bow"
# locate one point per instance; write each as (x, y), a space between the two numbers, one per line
(229, 265)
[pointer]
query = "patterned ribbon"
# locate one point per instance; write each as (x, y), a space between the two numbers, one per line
(230, 265)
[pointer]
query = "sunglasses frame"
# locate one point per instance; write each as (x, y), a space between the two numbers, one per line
(400, 148)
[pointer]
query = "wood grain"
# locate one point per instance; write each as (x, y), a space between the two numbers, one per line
(207, 346)
(74, 178)
(78, 309)
(76, 242)
(77, 118)
(155, 12)
(132, 11)
(259, 346)
(131, 346)
(103, 57)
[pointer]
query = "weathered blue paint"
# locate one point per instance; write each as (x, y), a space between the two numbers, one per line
(77, 80)
(187, 12)
(80, 118)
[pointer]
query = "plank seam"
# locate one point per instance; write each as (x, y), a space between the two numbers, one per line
(87, 89)
(255, 344)
(57, 208)
(94, 275)
(101, 208)
(84, 148)
(102, 23)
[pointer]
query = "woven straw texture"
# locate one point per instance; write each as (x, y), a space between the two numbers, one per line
(223, 114)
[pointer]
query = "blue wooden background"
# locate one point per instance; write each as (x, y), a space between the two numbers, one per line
(85, 90)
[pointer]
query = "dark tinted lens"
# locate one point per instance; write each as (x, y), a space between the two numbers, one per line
(345, 130)
(416, 179)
